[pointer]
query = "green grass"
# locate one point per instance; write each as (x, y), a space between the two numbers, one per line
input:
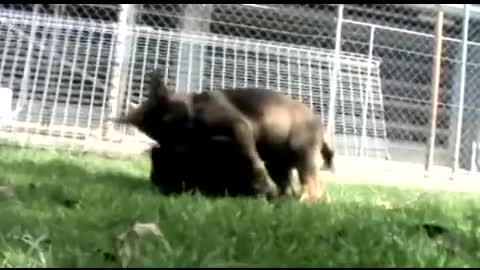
(68, 211)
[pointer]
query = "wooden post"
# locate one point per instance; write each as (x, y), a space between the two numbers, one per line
(435, 86)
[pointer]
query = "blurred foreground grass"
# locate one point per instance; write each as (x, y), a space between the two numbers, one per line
(68, 210)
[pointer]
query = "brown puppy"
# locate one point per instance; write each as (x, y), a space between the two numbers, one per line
(266, 125)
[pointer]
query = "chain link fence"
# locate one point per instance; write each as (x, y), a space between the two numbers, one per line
(70, 67)
(463, 144)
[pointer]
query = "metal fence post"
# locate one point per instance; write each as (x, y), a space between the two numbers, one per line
(118, 65)
(458, 132)
(437, 59)
(23, 93)
(334, 76)
(196, 19)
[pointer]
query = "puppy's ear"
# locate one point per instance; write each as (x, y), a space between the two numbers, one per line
(134, 116)
(159, 94)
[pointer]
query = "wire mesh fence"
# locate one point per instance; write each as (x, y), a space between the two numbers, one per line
(58, 71)
(70, 67)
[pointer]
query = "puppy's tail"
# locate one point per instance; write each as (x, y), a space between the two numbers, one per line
(328, 154)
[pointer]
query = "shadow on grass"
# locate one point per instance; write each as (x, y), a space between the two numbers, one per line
(57, 171)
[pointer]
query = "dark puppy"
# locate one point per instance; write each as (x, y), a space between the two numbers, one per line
(213, 168)
(268, 127)
(179, 168)
(169, 170)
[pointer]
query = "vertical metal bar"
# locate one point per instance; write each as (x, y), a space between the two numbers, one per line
(18, 47)
(458, 132)
(379, 82)
(333, 80)
(106, 83)
(82, 83)
(352, 98)
(289, 75)
(278, 69)
(310, 83)
(256, 65)
(116, 91)
(65, 51)
(179, 63)
(342, 108)
(202, 63)
(8, 40)
(367, 92)
(157, 48)
(374, 123)
(23, 93)
(235, 62)
(212, 67)
(53, 46)
(94, 86)
(72, 77)
(435, 85)
(267, 49)
(224, 61)
(144, 65)
(190, 61)
(43, 39)
(246, 64)
(321, 89)
(299, 83)
(131, 68)
(167, 58)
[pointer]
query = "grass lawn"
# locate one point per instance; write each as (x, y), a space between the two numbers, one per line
(68, 210)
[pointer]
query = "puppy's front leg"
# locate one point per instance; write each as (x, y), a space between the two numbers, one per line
(262, 181)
